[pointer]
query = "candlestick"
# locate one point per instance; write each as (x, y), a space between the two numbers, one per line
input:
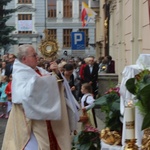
(130, 145)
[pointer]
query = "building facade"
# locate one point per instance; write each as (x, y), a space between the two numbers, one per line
(60, 17)
(129, 31)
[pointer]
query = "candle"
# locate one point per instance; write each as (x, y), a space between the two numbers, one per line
(130, 122)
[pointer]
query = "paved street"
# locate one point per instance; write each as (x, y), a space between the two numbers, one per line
(2, 129)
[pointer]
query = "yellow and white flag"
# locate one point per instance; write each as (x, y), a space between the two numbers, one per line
(86, 14)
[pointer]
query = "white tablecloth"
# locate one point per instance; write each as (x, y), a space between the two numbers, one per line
(143, 61)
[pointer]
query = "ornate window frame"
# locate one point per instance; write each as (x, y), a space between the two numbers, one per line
(25, 9)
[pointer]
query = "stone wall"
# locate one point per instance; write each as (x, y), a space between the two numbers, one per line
(106, 81)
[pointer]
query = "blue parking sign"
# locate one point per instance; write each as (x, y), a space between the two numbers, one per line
(77, 41)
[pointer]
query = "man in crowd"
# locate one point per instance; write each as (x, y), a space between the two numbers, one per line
(9, 66)
(91, 74)
(39, 118)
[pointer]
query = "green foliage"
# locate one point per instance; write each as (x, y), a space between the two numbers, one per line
(139, 86)
(4, 2)
(5, 30)
(132, 88)
(110, 105)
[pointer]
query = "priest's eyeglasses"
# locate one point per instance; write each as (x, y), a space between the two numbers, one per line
(34, 55)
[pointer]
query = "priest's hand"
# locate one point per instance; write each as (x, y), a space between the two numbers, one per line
(54, 67)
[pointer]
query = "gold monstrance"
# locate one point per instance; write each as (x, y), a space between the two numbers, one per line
(49, 49)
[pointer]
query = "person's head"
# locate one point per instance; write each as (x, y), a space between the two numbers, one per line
(11, 58)
(5, 58)
(101, 59)
(86, 88)
(90, 60)
(104, 61)
(27, 55)
(108, 58)
(61, 66)
(68, 69)
(3, 64)
(10, 77)
(86, 60)
(4, 79)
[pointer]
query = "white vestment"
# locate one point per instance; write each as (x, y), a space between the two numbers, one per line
(39, 95)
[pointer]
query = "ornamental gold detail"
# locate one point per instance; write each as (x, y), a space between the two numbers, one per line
(49, 47)
(146, 140)
(110, 137)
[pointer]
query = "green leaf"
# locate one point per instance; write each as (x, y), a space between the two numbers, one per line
(101, 101)
(144, 97)
(140, 107)
(116, 105)
(145, 92)
(130, 85)
(85, 146)
(146, 79)
(146, 121)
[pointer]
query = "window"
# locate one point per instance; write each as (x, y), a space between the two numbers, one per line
(52, 33)
(51, 8)
(25, 23)
(24, 1)
(67, 8)
(67, 38)
(86, 36)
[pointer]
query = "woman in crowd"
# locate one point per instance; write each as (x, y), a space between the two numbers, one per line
(3, 68)
(68, 74)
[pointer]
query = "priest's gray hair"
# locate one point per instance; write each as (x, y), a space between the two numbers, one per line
(23, 51)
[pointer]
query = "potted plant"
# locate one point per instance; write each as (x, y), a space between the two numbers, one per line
(109, 103)
(87, 139)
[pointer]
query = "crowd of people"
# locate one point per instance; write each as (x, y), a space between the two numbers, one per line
(40, 108)
(6, 64)
(82, 70)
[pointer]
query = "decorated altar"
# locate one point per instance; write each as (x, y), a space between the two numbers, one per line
(127, 110)
(136, 76)
(136, 79)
